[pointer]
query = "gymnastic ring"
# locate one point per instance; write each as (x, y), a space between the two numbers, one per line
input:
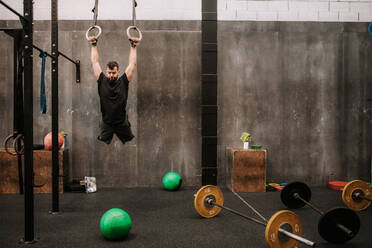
(6, 145)
(90, 29)
(139, 33)
(20, 152)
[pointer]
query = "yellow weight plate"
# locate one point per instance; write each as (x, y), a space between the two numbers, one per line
(279, 219)
(349, 198)
(274, 185)
(203, 208)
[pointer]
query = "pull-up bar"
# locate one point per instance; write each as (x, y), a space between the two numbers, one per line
(77, 62)
(15, 12)
(59, 53)
(42, 51)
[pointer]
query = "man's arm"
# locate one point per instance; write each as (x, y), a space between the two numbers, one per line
(129, 71)
(95, 60)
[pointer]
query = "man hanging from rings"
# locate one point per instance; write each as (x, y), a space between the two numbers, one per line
(112, 89)
(113, 93)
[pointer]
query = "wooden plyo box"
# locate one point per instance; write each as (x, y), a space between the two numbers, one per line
(9, 180)
(246, 170)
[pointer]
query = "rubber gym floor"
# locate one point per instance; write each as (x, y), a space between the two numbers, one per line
(163, 219)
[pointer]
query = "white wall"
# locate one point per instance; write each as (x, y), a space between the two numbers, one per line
(296, 10)
(231, 10)
(110, 9)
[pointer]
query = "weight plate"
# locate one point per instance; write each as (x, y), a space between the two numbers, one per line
(331, 232)
(336, 185)
(279, 219)
(279, 188)
(274, 184)
(287, 194)
(200, 204)
(350, 198)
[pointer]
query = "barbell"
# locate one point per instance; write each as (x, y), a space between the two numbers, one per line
(337, 225)
(209, 201)
(356, 195)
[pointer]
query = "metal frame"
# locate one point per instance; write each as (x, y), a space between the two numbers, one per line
(77, 64)
(209, 107)
(28, 118)
(18, 121)
(42, 51)
(54, 66)
(21, 17)
(27, 37)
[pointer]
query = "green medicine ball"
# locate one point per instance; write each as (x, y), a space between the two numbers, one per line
(172, 181)
(115, 224)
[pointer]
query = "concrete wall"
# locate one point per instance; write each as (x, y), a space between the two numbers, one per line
(6, 85)
(303, 91)
(169, 104)
(163, 103)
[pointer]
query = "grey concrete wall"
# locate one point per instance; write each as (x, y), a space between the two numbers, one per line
(301, 90)
(163, 103)
(6, 85)
(169, 106)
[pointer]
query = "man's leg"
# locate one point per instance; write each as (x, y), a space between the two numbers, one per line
(106, 133)
(124, 132)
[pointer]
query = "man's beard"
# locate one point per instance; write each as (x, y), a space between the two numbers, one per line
(113, 79)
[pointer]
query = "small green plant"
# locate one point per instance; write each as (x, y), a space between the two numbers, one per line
(246, 137)
(63, 133)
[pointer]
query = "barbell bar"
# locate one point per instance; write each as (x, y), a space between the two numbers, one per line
(209, 201)
(338, 225)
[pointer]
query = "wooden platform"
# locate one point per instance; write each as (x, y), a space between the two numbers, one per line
(9, 180)
(246, 170)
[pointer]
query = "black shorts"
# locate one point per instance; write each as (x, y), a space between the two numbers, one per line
(122, 131)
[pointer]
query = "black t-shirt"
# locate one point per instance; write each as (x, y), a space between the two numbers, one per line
(113, 97)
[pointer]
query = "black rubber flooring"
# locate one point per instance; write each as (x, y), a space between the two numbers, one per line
(162, 219)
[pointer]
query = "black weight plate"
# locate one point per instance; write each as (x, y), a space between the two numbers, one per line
(287, 194)
(328, 229)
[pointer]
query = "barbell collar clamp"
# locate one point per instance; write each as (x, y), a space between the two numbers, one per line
(359, 195)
